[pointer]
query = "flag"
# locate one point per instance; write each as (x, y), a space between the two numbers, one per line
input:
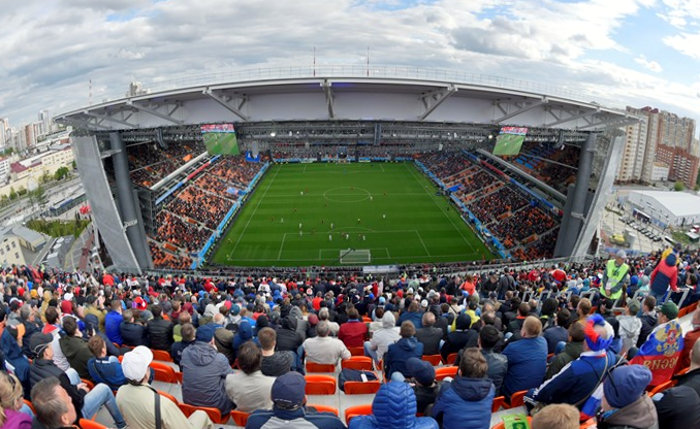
(661, 351)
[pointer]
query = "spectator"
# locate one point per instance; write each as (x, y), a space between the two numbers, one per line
(678, 408)
(137, 399)
(516, 325)
(394, 406)
(132, 333)
(578, 381)
(223, 338)
(429, 335)
(558, 332)
(625, 403)
(95, 306)
(324, 349)
(288, 338)
(461, 337)
(689, 341)
(663, 346)
(204, 372)
(615, 277)
(583, 309)
(399, 352)
(104, 369)
(182, 318)
(527, 359)
(630, 325)
(75, 348)
(572, 350)
(11, 394)
(53, 405)
(497, 363)
(467, 398)
(32, 323)
(324, 316)
(274, 363)
(649, 319)
(354, 331)
(160, 331)
(249, 388)
(412, 314)
(422, 374)
(87, 403)
(113, 320)
(382, 338)
(692, 377)
(187, 331)
(288, 410)
(559, 416)
(664, 275)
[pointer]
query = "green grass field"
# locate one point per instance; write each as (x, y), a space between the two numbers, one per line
(392, 210)
(221, 143)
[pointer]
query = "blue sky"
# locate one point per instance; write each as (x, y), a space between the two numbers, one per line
(621, 52)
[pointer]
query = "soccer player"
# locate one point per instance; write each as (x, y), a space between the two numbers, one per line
(299, 225)
(383, 215)
(330, 237)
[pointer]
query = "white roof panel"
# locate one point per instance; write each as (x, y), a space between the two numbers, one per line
(681, 204)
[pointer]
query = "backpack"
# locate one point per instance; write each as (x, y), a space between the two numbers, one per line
(348, 374)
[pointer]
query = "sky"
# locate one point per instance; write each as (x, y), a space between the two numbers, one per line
(621, 52)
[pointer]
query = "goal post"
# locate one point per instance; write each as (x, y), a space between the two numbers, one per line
(355, 256)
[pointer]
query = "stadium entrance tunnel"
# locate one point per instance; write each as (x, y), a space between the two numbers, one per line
(347, 194)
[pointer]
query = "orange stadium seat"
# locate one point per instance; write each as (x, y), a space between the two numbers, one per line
(89, 424)
(240, 418)
(213, 413)
(451, 359)
(163, 372)
(319, 367)
(516, 400)
(498, 402)
(161, 355)
(357, 410)
(445, 371)
(661, 387)
(169, 396)
(434, 360)
(90, 385)
(357, 351)
(318, 384)
(358, 363)
(362, 387)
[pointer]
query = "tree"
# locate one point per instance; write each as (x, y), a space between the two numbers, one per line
(13, 193)
(75, 166)
(678, 186)
(696, 187)
(61, 173)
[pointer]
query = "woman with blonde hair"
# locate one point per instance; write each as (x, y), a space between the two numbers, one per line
(10, 403)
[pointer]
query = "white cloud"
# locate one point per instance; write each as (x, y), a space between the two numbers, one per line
(686, 43)
(52, 49)
(649, 64)
(680, 13)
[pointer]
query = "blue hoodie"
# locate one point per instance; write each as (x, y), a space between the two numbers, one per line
(398, 354)
(465, 400)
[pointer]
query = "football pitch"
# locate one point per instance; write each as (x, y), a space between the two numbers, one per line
(360, 214)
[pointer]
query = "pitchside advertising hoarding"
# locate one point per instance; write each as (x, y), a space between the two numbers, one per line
(220, 139)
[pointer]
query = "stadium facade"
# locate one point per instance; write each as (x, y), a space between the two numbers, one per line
(393, 109)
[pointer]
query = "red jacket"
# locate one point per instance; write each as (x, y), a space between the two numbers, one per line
(688, 343)
(353, 333)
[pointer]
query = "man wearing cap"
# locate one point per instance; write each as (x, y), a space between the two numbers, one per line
(422, 377)
(624, 402)
(204, 372)
(137, 399)
(662, 348)
(615, 277)
(288, 410)
(630, 325)
(578, 380)
(87, 403)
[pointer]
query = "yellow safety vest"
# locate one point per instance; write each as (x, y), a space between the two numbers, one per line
(615, 276)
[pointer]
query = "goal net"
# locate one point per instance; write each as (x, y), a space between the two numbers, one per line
(355, 256)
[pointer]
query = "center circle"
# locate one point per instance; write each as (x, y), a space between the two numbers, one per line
(346, 194)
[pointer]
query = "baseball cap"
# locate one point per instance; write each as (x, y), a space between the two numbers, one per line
(626, 384)
(422, 371)
(135, 363)
(288, 390)
(669, 309)
(38, 342)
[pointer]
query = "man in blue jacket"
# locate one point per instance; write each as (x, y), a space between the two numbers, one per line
(578, 379)
(113, 320)
(104, 369)
(527, 359)
(468, 397)
(394, 406)
(399, 352)
(288, 410)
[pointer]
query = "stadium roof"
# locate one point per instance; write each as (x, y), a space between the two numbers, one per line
(680, 204)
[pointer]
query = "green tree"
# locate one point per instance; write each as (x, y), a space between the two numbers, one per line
(13, 193)
(678, 186)
(75, 166)
(61, 173)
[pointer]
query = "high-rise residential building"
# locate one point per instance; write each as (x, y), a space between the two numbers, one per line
(658, 147)
(45, 119)
(29, 136)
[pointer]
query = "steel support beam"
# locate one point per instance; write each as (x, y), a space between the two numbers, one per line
(561, 120)
(608, 122)
(156, 113)
(328, 91)
(521, 110)
(224, 103)
(441, 97)
(111, 119)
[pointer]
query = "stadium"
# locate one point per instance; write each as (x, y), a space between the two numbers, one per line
(204, 176)
(287, 247)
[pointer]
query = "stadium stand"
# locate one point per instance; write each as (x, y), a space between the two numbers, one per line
(534, 159)
(35, 303)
